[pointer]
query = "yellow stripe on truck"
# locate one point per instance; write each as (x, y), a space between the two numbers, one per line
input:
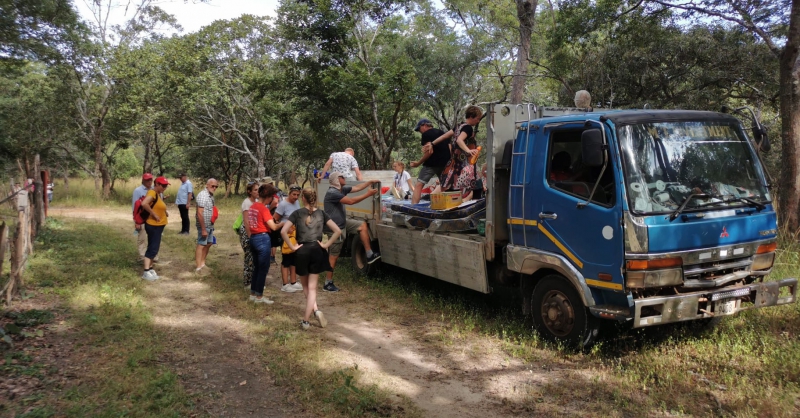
(561, 246)
(605, 285)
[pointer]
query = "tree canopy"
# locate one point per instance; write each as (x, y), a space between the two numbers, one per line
(257, 96)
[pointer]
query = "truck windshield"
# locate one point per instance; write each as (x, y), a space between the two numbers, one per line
(668, 162)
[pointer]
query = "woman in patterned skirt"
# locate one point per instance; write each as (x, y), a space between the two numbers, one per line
(244, 233)
(459, 174)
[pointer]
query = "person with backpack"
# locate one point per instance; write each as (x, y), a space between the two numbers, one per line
(154, 225)
(138, 193)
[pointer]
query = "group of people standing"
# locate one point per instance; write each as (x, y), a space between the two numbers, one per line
(150, 195)
(294, 223)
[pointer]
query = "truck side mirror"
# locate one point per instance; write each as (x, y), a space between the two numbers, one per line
(592, 148)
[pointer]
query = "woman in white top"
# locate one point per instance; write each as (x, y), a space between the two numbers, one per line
(403, 186)
(244, 234)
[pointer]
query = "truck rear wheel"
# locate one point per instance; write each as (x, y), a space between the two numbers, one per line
(559, 314)
(359, 257)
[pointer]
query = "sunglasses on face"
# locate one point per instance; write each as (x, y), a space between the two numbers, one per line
(213, 187)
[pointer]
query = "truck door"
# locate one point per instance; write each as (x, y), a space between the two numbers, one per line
(589, 236)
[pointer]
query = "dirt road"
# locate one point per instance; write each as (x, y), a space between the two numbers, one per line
(215, 352)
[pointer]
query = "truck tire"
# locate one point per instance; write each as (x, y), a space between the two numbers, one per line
(359, 257)
(559, 314)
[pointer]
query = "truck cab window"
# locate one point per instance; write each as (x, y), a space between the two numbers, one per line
(566, 173)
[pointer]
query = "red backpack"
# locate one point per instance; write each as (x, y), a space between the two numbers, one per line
(139, 214)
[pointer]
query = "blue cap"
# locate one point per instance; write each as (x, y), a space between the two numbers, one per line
(422, 122)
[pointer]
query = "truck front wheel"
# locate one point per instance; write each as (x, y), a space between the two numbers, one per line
(359, 257)
(559, 315)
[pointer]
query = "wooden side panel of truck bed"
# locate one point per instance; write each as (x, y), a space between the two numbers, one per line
(450, 257)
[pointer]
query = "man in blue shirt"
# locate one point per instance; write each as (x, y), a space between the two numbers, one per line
(184, 200)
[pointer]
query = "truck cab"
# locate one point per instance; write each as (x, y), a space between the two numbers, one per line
(647, 217)
(641, 216)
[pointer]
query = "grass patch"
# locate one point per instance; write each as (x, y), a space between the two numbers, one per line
(114, 338)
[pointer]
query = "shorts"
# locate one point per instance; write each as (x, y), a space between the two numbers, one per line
(350, 228)
(209, 239)
(427, 173)
(288, 260)
(311, 259)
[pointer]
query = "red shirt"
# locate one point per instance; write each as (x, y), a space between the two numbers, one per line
(258, 215)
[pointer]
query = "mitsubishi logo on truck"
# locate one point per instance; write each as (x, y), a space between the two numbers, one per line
(724, 233)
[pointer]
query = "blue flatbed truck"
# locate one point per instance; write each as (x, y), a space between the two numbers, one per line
(644, 217)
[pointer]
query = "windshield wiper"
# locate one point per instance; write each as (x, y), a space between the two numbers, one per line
(758, 205)
(751, 202)
(684, 203)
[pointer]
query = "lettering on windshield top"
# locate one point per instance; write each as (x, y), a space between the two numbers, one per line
(694, 132)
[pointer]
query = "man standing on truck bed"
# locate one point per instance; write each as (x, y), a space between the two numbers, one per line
(433, 163)
(335, 199)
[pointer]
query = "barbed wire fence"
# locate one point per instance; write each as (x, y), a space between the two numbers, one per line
(28, 199)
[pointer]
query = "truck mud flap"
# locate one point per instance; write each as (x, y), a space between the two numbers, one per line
(720, 302)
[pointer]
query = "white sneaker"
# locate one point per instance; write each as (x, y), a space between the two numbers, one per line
(263, 299)
(305, 324)
(298, 286)
(252, 298)
(150, 275)
(289, 288)
(321, 318)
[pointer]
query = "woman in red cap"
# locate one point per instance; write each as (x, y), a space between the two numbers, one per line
(154, 226)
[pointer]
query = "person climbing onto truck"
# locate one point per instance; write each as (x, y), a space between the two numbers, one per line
(433, 161)
(460, 172)
(335, 199)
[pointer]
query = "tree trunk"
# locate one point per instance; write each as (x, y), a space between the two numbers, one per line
(105, 175)
(526, 13)
(158, 153)
(789, 193)
(147, 163)
(98, 161)
(238, 181)
(261, 151)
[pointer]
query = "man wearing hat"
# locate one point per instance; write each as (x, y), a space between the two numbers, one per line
(139, 192)
(184, 200)
(433, 163)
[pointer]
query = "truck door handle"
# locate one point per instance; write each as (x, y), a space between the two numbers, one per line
(552, 216)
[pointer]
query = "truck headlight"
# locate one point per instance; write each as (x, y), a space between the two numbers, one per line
(765, 256)
(654, 278)
(654, 273)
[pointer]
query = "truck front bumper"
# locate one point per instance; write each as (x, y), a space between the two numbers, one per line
(713, 303)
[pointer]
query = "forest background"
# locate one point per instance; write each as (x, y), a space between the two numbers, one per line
(255, 96)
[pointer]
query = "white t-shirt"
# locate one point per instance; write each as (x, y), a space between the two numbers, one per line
(401, 182)
(344, 163)
(246, 204)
